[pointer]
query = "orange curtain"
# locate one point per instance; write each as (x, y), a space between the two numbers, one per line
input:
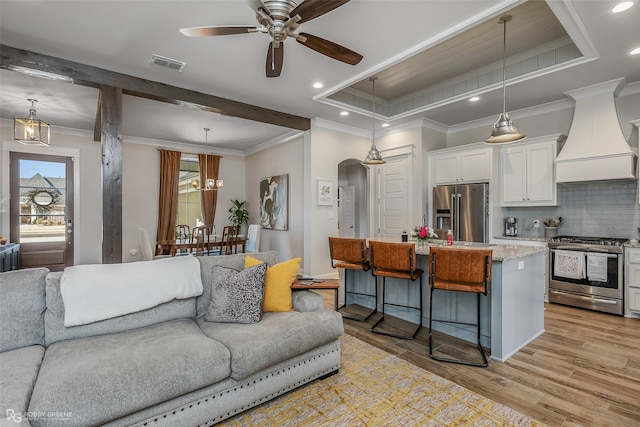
(168, 197)
(209, 168)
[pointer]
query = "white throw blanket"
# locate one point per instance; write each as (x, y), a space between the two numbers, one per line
(103, 291)
(597, 267)
(569, 264)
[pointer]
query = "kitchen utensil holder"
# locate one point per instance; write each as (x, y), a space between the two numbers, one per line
(550, 231)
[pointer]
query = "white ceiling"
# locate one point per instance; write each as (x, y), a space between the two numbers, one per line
(122, 35)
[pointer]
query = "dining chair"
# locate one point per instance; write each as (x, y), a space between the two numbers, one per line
(200, 240)
(228, 242)
(352, 254)
(183, 234)
(459, 270)
(396, 261)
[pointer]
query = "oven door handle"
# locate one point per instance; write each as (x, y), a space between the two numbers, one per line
(604, 301)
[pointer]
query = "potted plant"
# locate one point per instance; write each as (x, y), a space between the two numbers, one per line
(238, 214)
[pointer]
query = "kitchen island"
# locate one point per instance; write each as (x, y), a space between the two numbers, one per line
(512, 312)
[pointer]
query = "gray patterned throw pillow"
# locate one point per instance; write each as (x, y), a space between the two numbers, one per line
(236, 296)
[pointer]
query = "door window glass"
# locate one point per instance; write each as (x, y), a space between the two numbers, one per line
(42, 201)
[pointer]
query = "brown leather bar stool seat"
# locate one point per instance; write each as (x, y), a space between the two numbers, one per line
(352, 254)
(459, 270)
(396, 261)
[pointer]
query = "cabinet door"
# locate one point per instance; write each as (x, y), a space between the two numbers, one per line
(446, 168)
(475, 165)
(514, 171)
(540, 182)
(634, 276)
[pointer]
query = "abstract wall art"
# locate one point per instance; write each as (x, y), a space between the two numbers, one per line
(274, 201)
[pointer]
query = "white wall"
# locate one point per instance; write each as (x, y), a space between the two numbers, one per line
(285, 158)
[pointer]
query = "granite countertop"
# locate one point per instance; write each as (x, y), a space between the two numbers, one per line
(500, 252)
(530, 238)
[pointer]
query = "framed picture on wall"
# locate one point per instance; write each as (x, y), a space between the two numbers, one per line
(325, 192)
(274, 202)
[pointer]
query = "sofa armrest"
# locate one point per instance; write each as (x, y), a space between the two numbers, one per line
(307, 301)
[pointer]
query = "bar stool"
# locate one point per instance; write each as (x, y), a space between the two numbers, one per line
(459, 270)
(351, 254)
(398, 261)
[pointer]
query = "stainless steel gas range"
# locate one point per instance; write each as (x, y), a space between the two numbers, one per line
(587, 272)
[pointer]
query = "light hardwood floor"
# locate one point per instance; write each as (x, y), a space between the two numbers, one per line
(583, 371)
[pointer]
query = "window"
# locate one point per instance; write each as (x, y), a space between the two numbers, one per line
(189, 211)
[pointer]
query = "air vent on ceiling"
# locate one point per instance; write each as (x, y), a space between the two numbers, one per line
(163, 61)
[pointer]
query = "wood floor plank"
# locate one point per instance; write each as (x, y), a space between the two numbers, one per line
(583, 371)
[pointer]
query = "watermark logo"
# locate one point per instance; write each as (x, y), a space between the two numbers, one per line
(17, 416)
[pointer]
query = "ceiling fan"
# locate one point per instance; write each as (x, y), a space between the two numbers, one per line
(281, 19)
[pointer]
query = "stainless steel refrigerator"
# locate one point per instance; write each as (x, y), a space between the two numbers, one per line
(464, 209)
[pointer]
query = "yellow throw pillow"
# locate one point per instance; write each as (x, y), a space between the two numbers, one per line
(277, 284)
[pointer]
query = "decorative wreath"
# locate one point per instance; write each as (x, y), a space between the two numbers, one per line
(53, 196)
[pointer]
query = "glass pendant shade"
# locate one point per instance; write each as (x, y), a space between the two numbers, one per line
(503, 129)
(31, 130)
(209, 183)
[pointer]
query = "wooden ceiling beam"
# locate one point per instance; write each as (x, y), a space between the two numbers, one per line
(39, 65)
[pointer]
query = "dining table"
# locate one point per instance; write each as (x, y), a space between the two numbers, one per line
(174, 246)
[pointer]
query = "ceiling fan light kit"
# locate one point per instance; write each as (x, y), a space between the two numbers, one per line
(503, 129)
(31, 130)
(281, 19)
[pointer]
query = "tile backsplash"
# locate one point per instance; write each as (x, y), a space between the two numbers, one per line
(599, 209)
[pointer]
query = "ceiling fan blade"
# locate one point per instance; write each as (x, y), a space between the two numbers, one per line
(331, 49)
(216, 31)
(275, 59)
(311, 9)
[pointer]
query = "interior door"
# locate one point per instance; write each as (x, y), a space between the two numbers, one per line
(347, 211)
(394, 197)
(41, 206)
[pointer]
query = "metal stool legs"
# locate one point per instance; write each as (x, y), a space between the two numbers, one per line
(484, 363)
(347, 291)
(404, 337)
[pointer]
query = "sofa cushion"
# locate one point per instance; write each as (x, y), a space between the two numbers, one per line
(277, 287)
(277, 337)
(18, 372)
(235, 261)
(54, 316)
(236, 296)
(22, 306)
(102, 378)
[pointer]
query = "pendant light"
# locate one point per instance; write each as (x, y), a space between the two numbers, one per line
(373, 157)
(209, 183)
(31, 130)
(504, 129)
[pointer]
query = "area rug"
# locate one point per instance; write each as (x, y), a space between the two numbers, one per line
(375, 388)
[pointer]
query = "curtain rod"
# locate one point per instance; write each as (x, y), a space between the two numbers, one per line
(185, 152)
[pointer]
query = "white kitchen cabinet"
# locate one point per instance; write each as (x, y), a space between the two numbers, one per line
(632, 282)
(462, 165)
(528, 177)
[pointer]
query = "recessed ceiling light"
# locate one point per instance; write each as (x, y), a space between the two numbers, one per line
(635, 51)
(318, 85)
(474, 98)
(385, 125)
(622, 6)
(344, 113)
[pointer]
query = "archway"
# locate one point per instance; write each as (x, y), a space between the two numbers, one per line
(353, 215)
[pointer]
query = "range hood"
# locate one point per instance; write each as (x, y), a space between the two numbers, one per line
(595, 148)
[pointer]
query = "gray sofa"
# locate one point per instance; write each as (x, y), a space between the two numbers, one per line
(164, 366)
